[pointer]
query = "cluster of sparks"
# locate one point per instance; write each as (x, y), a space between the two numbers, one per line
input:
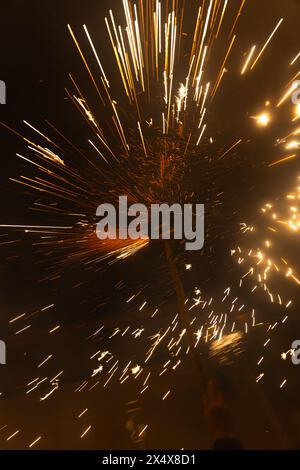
(144, 154)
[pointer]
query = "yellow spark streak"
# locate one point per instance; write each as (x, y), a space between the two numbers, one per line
(136, 58)
(297, 115)
(143, 430)
(14, 434)
(132, 44)
(248, 60)
(166, 395)
(197, 93)
(38, 132)
(140, 53)
(54, 329)
(219, 81)
(85, 63)
(17, 318)
(196, 33)
(172, 60)
(35, 442)
(142, 137)
(203, 38)
(205, 96)
(237, 17)
(97, 150)
(259, 377)
(294, 144)
(108, 148)
(202, 117)
(85, 432)
(50, 393)
(266, 43)
(156, 34)
(46, 360)
(231, 148)
(82, 413)
(283, 160)
(120, 63)
(222, 70)
(166, 87)
(201, 134)
(46, 308)
(120, 129)
(292, 88)
(95, 53)
(164, 123)
(221, 18)
(214, 13)
(295, 59)
(187, 82)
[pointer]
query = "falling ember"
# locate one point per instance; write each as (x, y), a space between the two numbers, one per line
(266, 43)
(246, 64)
(143, 430)
(13, 435)
(166, 395)
(54, 329)
(85, 432)
(283, 383)
(35, 442)
(258, 379)
(82, 413)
